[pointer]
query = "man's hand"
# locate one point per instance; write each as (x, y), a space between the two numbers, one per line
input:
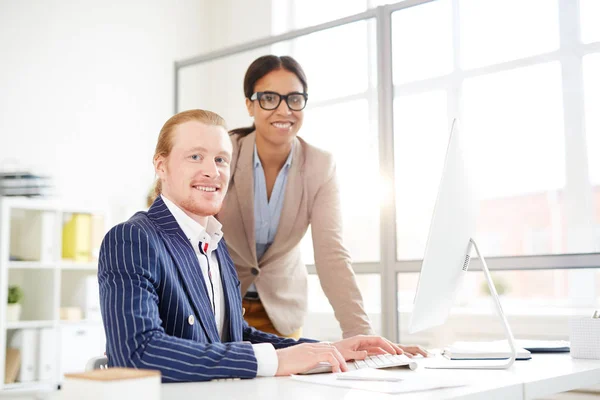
(359, 347)
(302, 357)
(413, 349)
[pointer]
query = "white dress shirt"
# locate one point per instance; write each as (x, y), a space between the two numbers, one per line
(209, 237)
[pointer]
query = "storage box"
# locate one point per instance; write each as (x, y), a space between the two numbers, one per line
(33, 236)
(71, 314)
(112, 384)
(584, 334)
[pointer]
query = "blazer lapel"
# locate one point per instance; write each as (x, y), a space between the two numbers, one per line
(232, 295)
(244, 187)
(294, 192)
(186, 262)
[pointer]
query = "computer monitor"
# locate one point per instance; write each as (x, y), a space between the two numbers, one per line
(448, 248)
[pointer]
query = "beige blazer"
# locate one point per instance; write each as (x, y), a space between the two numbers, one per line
(280, 276)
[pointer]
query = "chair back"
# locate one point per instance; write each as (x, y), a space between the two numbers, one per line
(100, 362)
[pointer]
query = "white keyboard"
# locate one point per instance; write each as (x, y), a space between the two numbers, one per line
(376, 361)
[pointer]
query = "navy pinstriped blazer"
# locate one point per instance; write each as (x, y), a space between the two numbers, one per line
(156, 310)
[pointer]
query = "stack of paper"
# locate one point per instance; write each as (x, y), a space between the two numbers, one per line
(24, 183)
(382, 381)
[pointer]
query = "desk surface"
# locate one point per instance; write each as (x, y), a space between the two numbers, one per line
(547, 374)
(543, 375)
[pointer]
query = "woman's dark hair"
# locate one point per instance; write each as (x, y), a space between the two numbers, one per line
(261, 67)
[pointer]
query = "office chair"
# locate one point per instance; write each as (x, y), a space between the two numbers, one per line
(100, 362)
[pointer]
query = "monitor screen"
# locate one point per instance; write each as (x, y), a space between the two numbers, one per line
(446, 253)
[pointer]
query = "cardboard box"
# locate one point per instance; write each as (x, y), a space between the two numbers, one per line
(112, 384)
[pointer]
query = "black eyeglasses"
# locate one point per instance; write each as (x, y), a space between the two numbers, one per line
(295, 101)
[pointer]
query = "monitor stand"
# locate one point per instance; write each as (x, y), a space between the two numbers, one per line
(482, 364)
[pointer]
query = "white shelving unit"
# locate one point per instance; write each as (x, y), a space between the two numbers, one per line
(50, 345)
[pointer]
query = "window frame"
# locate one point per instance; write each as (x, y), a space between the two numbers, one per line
(577, 188)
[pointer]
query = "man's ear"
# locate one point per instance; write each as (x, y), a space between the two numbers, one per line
(160, 164)
(250, 107)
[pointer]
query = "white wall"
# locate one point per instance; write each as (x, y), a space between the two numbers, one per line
(85, 87)
(218, 85)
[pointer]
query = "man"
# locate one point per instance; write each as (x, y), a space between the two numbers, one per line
(169, 292)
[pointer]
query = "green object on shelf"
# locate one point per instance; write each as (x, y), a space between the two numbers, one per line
(15, 295)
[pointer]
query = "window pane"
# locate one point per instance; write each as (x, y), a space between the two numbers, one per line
(420, 140)
(304, 11)
(590, 29)
(532, 310)
(343, 72)
(513, 129)
(217, 86)
(320, 322)
(591, 82)
(357, 169)
(493, 31)
(422, 41)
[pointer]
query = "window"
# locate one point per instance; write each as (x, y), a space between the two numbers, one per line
(341, 84)
(530, 309)
(591, 82)
(422, 41)
(217, 86)
(320, 322)
(514, 135)
(494, 31)
(420, 139)
(513, 75)
(303, 11)
(357, 167)
(590, 30)
(339, 73)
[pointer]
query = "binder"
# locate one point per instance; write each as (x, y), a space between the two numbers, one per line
(13, 363)
(98, 230)
(46, 365)
(26, 341)
(77, 238)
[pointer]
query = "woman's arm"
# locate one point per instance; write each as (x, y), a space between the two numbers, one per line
(333, 262)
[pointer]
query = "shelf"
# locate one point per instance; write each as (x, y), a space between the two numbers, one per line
(35, 386)
(26, 203)
(47, 204)
(64, 264)
(29, 265)
(77, 265)
(82, 322)
(30, 324)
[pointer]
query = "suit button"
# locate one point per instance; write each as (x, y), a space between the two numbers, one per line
(255, 271)
(191, 320)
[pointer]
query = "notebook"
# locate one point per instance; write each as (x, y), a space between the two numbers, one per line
(545, 346)
(494, 350)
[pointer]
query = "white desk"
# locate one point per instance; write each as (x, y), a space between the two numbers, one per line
(288, 389)
(547, 374)
(543, 375)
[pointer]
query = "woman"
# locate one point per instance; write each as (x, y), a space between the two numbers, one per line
(279, 186)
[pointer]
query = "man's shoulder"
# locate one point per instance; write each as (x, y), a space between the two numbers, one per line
(139, 222)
